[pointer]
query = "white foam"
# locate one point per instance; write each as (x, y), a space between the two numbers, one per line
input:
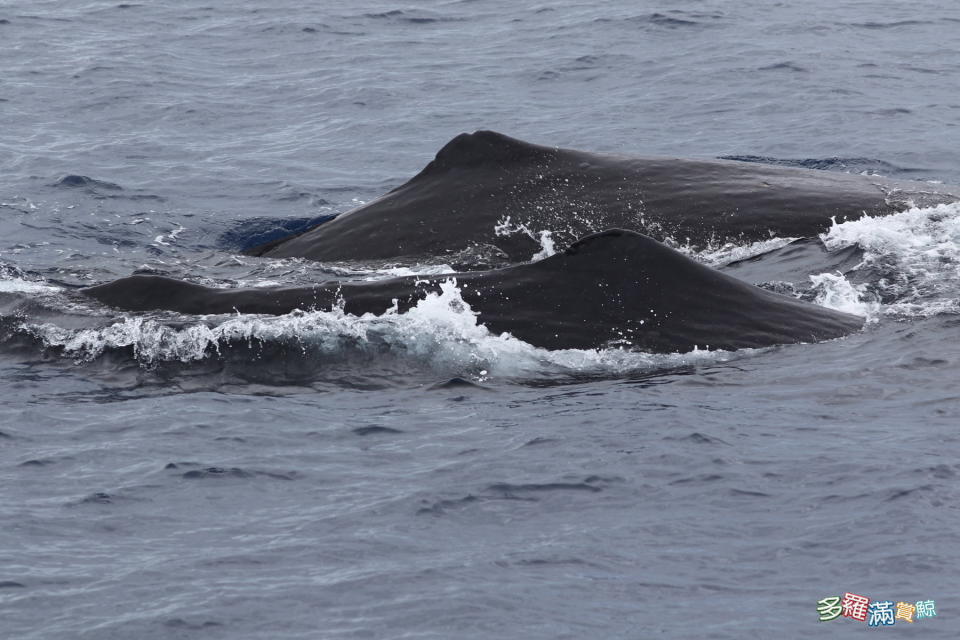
(716, 256)
(505, 227)
(914, 257)
(19, 285)
(167, 239)
(414, 270)
(917, 253)
(835, 292)
(547, 247)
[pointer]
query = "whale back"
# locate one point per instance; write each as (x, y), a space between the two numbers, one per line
(487, 189)
(613, 288)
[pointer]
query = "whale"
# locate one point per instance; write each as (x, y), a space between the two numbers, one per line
(617, 288)
(487, 200)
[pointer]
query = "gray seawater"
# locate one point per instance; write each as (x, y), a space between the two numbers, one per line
(322, 476)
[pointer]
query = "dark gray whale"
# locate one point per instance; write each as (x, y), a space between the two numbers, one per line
(453, 206)
(613, 288)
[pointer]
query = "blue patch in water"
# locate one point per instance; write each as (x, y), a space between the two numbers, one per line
(257, 231)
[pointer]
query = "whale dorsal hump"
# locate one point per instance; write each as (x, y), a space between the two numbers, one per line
(623, 255)
(486, 147)
(624, 246)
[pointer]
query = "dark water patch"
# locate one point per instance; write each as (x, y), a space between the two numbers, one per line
(217, 472)
(295, 28)
(508, 490)
(592, 63)
(234, 472)
(642, 377)
(384, 14)
(839, 498)
(103, 190)
(375, 429)
(897, 111)
(99, 68)
(97, 498)
(4, 21)
(410, 17)
(672, 19)
(136, 197)
(233, 560)
(588, 62)
(919, 362)
(784, 66)
(457, 383)
(538, 441)
(697, 438)
(38, 462)
(180, 623)
(745, 493)
(602, 480)
(441, 506)
(540, 562)
(883, 76)
(940, 471)
(128, 6)
(10, 584)
(5, 436)
(889, 25)
(896, 494)
(699, 479)
(672, 22)
(255, 232)
(177, 465)
(75, 181)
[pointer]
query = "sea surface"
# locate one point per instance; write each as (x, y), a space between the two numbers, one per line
(319, 475)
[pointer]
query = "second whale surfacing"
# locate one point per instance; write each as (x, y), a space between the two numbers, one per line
(616, 288)
(486, 198)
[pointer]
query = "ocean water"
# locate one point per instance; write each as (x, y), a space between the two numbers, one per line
(319, 475)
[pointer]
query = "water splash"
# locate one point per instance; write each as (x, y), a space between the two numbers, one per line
(547, 247)
(719, 255)
(441, 331)
(504, 227)
(912, 258)
(834, 291)
(18, 285)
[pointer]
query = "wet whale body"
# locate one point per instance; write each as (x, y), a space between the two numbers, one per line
(483, 202)
(617, 287)
(486, 198)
